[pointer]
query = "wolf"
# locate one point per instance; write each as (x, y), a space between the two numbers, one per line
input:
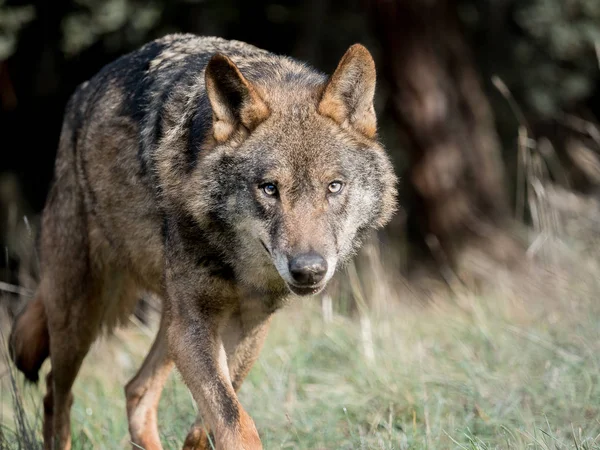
(225, 180)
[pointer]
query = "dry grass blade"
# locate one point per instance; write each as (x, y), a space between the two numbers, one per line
(363, 309)
(14, 289)
(24, 430)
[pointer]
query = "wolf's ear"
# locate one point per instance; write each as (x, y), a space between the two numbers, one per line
(234, 100)
(348, 96)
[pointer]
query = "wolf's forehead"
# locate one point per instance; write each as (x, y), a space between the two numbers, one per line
(302, 139)
(302, 143)
(301, 165)
(297, 104)
(300, 112)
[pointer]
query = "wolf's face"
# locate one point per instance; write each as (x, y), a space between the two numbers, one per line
(304, 177)
(308, 189)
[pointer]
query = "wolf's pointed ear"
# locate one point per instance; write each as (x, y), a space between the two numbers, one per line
(234, 100)
(348, 96)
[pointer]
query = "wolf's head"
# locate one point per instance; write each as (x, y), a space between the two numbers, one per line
(294, 166)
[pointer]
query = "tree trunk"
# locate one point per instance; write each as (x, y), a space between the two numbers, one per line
(455, 169)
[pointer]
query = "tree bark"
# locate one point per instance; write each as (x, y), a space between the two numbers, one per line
(455, 170)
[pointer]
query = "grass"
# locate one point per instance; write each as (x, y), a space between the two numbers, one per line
(494, 371)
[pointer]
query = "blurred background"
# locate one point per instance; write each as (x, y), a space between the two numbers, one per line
(490, 111)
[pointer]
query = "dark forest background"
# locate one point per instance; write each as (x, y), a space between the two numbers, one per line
(479, 102)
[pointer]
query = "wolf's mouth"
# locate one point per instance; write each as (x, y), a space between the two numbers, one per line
(305, 290)
(265, 247)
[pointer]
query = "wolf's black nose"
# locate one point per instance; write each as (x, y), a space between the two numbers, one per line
(308, 268)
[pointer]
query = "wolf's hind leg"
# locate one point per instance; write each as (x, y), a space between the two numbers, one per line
(143, 393)
(73, 327)
(72, 301)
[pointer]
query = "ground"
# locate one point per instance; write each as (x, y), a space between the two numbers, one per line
(466, 371)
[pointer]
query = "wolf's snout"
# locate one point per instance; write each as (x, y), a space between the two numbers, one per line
(308, 269)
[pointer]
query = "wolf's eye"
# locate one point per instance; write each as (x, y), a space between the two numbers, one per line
(270, 189)
(335, 187)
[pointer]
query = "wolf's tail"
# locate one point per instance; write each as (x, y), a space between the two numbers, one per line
(29, 342)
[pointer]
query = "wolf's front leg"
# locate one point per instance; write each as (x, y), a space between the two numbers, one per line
(243, 338)
(199, 354)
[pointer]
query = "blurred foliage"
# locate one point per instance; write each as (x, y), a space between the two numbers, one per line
(12, 19)
(558, 55)
(544, 50)
(94, 20)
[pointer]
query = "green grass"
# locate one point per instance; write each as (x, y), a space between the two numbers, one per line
(493, 372)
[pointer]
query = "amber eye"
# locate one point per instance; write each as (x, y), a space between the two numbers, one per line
(270, 189)
(335, 187)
